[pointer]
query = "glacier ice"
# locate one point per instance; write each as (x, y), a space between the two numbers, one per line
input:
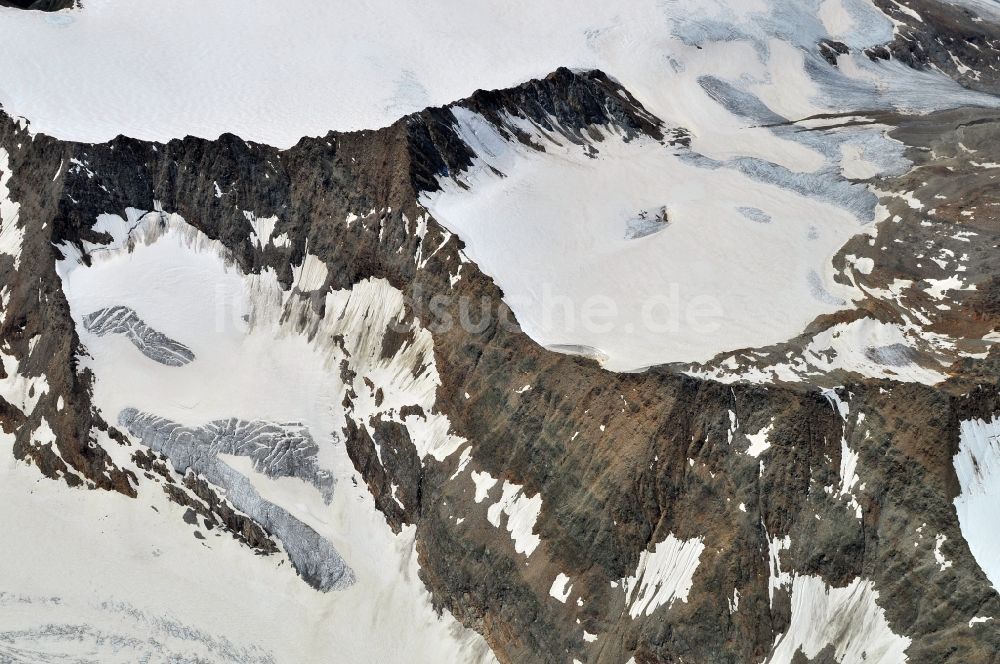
(197, 449)
(154, 345)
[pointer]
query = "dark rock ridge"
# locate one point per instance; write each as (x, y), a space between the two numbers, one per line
(620, 461)
(41, 5)
(571, 104)
(954, 38)
(395, 460)
(831, 50)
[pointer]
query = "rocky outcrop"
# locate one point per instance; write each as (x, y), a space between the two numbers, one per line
(392, 472)
(38, 337)
(573, 483)
(831, 50)
(955, 38)
(571, 104)
(41, 5)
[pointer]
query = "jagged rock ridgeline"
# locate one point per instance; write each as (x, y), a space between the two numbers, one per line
(41, 5)
(957, 38)
(585, 515)
(571, 104)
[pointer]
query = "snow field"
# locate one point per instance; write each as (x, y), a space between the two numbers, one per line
(248, 365)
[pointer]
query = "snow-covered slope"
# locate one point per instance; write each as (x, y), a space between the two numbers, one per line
(255, 412)
(977, 465)
(737, 263)
(274, 72)
(756, 203)
(94, 576)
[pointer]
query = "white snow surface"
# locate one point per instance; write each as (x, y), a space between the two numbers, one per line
(759, 442)
(274, 72)
(484, 482)
(249, 365)
(311, 275)
(849, 476)
(777, 578)
(263, 228)
(977, 465)
(849, 618)
(663, 575)
(20, 391)
(11, 234)
(551, 233)
(561, 587)
(99, 577)
(522, 513)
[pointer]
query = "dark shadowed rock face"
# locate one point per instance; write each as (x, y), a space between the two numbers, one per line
(831, 50)
(40, 5)
(568, 103)
(771, 489)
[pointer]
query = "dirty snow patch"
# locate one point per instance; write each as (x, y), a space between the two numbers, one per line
(847, 618)
(522, 513)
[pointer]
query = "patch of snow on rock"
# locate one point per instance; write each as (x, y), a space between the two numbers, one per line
(759, 441)
(11, 235)
(847, 618)
(663, 575)
(311, 275)
(977, 465)
(561, 588)
(522, 513)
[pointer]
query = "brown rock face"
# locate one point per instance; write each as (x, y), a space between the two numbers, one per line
(951, 37)
(621, 462)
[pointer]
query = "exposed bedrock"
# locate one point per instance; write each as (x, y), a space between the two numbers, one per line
(393, 472)
(40, 5)
(957, 38)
